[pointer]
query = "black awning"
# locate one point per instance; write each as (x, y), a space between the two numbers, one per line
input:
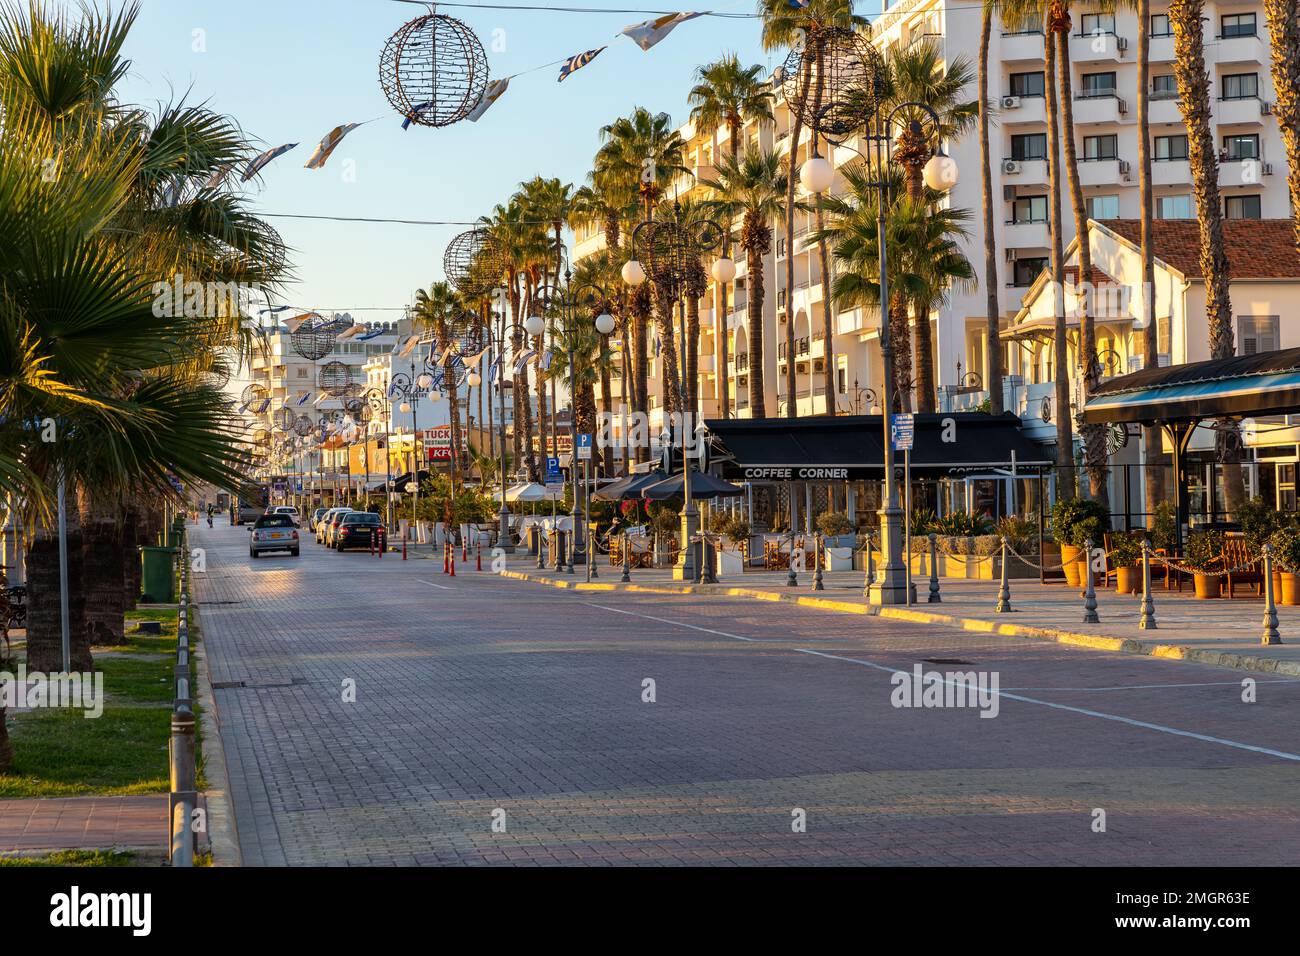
(851, 447)
(1267, 383)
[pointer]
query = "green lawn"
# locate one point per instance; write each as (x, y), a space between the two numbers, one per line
(72, 858)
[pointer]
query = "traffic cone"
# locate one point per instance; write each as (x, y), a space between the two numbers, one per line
(452, 549)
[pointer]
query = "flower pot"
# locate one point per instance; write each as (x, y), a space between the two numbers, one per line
(1072, 559)
(1290, 590)
(1207, 585)
(1128, 580)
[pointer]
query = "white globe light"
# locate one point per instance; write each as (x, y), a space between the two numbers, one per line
(405, 406)
(724, 270)
(535, 325)
(632, 273)
(435, 396)
(940, 173)
(604, 323)
(817, 174)
(425, 380)
(474, 379)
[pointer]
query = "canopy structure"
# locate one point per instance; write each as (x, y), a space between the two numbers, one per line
(1179, 397)
(630, 486)
(851, 447)
(703, 485)
(530, 491)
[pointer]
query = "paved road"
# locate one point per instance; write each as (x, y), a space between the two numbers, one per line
(480, 698)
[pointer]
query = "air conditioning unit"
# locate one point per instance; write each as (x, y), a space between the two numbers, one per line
(1266, 169)
(1265, 109)
(1121, 44)
(1122, 104)
(1011, 102)
(780, 316)
(1011, 255)
(1010, 167)
(1124, 169)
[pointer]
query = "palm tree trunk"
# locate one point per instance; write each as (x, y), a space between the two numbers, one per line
(1094, 436)
(901, 345)
(796, 128)
(692, 357)
(1152, 441)
(672, 391)
(103, 568)
(1194, 102)
(991, 287)
(721, 330)
(641, 363)
(6, 750)
(1064, 432)
(754, 315)
(1283, 18)
(924, 357)
(607, 403)
(128, 545)
(541, 401)
(44, 633)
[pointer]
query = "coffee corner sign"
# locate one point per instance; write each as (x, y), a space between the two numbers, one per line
(795, 474)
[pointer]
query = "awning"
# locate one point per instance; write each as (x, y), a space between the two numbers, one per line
(1267, 383)
(630, 486)
(703, 486)
(851, 447)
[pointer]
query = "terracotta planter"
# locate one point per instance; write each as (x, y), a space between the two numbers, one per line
(1128, 580)
(1072, 559)
(1290, 590)
(1207, 585)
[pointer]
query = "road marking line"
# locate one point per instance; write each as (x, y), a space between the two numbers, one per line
(1217, 683)
(664, 620)
(1081, 710)
(434, 584)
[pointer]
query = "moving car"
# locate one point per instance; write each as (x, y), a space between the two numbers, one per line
(323, 524)
(289, 510)
(358, 529)
(273, 533)
(332, 526)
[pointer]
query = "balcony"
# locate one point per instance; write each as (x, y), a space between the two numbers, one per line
(1165, 111)
(1242, 172)
(1098, 48)
(1021, 48)
(1236, 50)
(1103, 172)
(1024, 172)
(1024, 235)
(706, 318)
(1171, 172)
(707, 364)
(1013, 110)
(1247, 110)
(1094, 108)
(1162, 48)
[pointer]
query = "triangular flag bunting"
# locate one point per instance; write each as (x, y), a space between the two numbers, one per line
(490, 96)
(649, 32)
(329, 144)
(260, 162)
(575, 63)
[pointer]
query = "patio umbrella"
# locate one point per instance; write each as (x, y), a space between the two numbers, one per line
(703, 485)
(528, 491)
(629, 486)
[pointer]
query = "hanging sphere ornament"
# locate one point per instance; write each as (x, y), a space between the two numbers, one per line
(314, 337)
(473, 262)
(434, 70)
(302, 426)
(334, 378)
(284, 419)
(835, 81)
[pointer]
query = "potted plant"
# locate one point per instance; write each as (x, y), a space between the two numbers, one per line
(1126, 556)
(1285, 542)
(735, 530)
(1076, 521)
(1205, 557)
(836, 528)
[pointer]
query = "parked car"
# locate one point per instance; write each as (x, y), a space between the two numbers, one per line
(273, 533)
(314, 518)
(322, 526)
(359, 529)
(332, 527)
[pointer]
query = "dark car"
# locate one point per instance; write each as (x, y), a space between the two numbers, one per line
(273, 533)
(358, 529)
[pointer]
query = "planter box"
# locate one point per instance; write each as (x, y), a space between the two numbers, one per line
(837, 559)
(730, 562)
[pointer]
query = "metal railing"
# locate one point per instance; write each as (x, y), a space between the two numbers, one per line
(183, 798)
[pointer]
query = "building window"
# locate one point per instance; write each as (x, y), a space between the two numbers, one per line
(1026, 146)
(1097, 148)
(1103, 207)
(1241, 86)
(1242, 207)
(1098, 84)
(1169, 148)
(1027, 270)
(1160, 25)
(1164, 87)
(1027, 84)
(1241, 146)
(1237, 25)
(1174, 207)
(1029, 209)
(1257, 333)
(1032, 23)
(301, 372)
(1091, 24)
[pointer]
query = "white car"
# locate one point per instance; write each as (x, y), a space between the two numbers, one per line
(289, 510)
(323, 524)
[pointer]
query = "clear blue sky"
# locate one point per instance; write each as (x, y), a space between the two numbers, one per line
(291, 70)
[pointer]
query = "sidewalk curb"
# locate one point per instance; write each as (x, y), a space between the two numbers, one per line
(220, 820)
(1096, 642)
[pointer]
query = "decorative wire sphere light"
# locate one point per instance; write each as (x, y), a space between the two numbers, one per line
(334, 378)
(473, 337)
(314, 338)
(472, 261)
(284, 419)
(355, 406)
(434, 70)
(302, 426)
(253, 393)
(834, 81)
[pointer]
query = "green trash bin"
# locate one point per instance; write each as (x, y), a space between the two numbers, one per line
(157, 575)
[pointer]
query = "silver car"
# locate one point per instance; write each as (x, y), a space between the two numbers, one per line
(323, 523)
(273, 533)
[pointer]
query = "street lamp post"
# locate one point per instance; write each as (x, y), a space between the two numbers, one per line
(817, 174)
(498, 346)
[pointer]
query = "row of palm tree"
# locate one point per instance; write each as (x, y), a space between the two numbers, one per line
(103, 393)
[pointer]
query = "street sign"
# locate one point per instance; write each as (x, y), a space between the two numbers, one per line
(553, 469)
(901, 431)
(584, 447)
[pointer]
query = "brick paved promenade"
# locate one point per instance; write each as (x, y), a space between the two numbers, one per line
(482, 697)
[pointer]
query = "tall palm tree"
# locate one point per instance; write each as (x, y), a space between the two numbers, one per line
(1283, 17)
(993, 306)
(918, 74)
(551, 201)
(787, 24)
(438, 310)
(728, 94)
(1185, 17)
(749, 189)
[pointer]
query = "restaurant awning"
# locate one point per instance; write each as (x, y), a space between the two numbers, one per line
(851, 447)
(1267, 383)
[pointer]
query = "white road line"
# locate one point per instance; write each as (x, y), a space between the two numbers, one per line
(664, 620)
(1217, 683)
(1082, 710)
(433, 584)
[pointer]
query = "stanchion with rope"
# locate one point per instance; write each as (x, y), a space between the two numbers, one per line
(627, 576)
(934, 570)
(1147, 622)
(817, 560)
(1270, 635)
(792, 579)
(1089, 592)
(1004, 590)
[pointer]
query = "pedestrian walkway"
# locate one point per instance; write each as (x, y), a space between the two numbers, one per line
(84, 823)
(1222, 632)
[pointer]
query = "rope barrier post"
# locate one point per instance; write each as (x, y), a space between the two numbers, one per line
(792, 579)
(1089, 592)
(1147, 621)
(627, 567)
(1270, 635)
(708, 574)
(1004, 590)
(871, 561)
(541, 558)
(818, 554)
(934, 570)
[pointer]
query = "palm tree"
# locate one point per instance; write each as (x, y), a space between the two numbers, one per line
(750, 190)
(1185, 17)
(1283, 18)
(992, 304)
(551, 201)
(728, 94)
(438, 311)
(918, 75)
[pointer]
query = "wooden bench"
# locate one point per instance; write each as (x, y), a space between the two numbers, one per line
(1235, 555)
